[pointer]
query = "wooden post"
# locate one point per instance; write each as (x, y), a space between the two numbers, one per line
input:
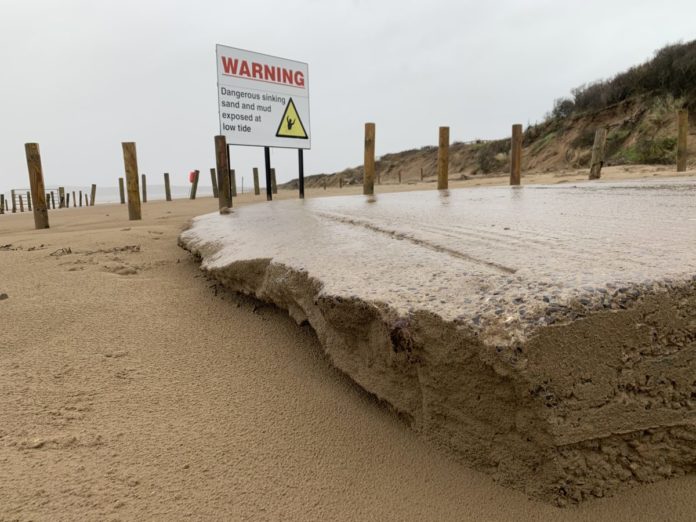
(21, 203)
(369, 163)
(130, 164)
(80, 198)
(93, 195)
(194, 185)
(53, 201)
(222, 161)
(597, 161)
(273, 181)
(29, 201)
(167, 188)
(143, 188)
(233, 183)
(61, 197)
(86, 200)
(516, 155)
(36, 184)
(443, 159)
(683, 130)
(67, 200)
(213, 181)
(257, 190)
(74, 199)
(121, 191)
(2, 203)
(14, 201)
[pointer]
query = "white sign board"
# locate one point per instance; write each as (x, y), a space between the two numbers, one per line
(263, 100)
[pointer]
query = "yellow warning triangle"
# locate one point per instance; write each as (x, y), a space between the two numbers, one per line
(291, 124)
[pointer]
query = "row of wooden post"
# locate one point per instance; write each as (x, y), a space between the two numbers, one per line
(596, 162)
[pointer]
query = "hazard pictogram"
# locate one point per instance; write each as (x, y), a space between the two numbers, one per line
(291, 124)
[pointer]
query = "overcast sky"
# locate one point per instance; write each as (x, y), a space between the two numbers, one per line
(80, 77)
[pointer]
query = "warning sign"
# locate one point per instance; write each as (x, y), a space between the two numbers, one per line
(291, 124)
(262, 100)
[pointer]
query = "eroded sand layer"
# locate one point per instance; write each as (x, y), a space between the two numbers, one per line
(547, 335)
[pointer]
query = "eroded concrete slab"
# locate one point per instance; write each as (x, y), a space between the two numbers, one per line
(545, 334)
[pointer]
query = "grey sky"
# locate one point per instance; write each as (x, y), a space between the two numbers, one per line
(79, 77)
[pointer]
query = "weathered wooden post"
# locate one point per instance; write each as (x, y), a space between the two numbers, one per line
(194, 185)
(21, 203)
(36, 184)
(213, 181)
(682, 132)
(74, 199)
(233, 183)
(121, 191)
(29, 201)
(167, 188)
(369, 163)
(597, 161)
(257, 190)
(222, 163)
(443, 159)
(14, 201)
(80, 198)
(67, 200)
(61, 197)
(273, 181)
(130, 163)
(86, 200)
(143, 188)
(516, 155)
(53, 201)
(2, 203)
(93, 195)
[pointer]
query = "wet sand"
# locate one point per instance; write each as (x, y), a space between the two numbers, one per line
(133, 388)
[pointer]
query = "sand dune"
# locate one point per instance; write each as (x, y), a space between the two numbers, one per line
(134, 388)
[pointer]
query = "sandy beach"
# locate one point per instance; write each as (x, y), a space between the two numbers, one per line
(133, 388)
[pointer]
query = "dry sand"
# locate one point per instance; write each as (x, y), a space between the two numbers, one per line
(133, 388)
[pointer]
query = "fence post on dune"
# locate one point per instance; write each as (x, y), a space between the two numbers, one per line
(121, 191)
(130, 163)
(369, 162)
(213, 181)
(222, 163)
(597, 161)
(14, 201)
(516, 155)
(36, 184)
(443, 159)
(257, 190)
(682, 132)
(93, 195)
(167, 188)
